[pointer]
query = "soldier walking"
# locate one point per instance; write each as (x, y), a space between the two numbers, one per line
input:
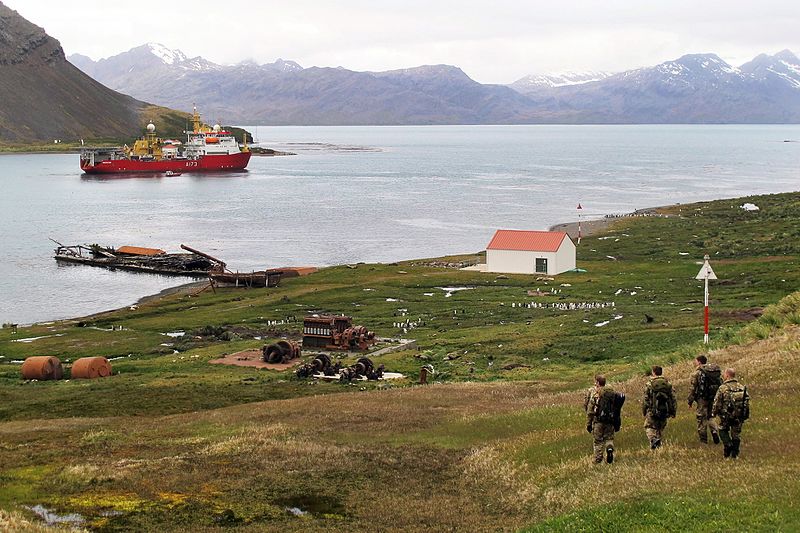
(732, 406)
(658, 405)
(602, 419)
(706, 379)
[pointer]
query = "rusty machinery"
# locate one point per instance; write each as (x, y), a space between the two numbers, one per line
(321, 364)
(335, 332)
(364, 367)
(281, 352)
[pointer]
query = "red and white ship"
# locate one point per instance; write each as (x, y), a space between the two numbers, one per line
(206, 149)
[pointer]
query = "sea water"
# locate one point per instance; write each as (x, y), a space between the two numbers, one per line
(361, 194)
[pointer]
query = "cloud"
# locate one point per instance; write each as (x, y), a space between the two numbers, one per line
(495, 42)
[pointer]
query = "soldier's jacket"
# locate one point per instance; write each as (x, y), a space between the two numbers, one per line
(730, 385)
(648, 404)
(592, 399)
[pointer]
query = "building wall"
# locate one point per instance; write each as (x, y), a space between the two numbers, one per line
(524, 262)
(565, 259)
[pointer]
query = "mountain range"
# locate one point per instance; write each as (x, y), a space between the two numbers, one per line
(696, 88)
(44, 97)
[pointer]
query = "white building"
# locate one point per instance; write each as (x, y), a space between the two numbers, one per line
(530, 252)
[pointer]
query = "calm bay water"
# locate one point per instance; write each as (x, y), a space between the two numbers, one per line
(361, 194)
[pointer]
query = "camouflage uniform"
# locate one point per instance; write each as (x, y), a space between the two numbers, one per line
(602, 433)
(653, 425)
(730, 429)
(705, 420)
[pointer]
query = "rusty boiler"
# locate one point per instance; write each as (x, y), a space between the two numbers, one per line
(42, 367)
(90, 368)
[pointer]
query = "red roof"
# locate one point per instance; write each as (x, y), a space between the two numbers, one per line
(529, 241)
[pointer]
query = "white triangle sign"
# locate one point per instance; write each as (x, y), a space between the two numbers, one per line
(706, 272)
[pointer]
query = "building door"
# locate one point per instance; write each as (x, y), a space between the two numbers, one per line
(541, 265)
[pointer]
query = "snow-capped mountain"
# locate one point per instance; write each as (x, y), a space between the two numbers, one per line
(782, 67)
(284, 92)
(695, 88)
(538, 81)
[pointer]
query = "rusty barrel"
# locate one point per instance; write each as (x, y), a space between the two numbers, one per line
(90, 368)
(42, 367)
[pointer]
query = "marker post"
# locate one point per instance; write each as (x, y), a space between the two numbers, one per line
(706, 273)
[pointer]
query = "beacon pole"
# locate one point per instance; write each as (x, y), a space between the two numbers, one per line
(579, 208)
(706, 273)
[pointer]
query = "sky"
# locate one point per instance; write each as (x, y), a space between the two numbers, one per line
(493, 41)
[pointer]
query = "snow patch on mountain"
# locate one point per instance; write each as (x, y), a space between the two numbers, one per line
(167, 55)
(558, 79)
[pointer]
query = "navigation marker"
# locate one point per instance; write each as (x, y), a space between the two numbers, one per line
(706, 273)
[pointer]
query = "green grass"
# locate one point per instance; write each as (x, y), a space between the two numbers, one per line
(170, 442)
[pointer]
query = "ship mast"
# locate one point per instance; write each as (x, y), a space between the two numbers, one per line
(195, 120)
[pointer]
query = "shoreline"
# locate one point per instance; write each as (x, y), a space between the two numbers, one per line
(588, 228)
(594, 226)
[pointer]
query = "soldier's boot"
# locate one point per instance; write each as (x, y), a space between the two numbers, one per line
(735, 448)
(715, 436)
(655, 443)
(726, 442)
(609, 455)
(703, 437)
(726, 450)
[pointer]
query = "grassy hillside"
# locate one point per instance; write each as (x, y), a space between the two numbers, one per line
(173, 443)
(46, 98)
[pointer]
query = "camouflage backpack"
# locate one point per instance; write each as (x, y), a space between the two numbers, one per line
(709, 381)
(661, 394)
(606, 406)
(736, 403)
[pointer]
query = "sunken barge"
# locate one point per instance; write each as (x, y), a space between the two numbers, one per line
(193, 263)
(136, 259)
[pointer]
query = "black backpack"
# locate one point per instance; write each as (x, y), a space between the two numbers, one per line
(709, 381)
(606, 407)
(619, 401)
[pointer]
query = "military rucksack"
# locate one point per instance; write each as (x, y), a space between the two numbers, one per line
(606, 406)
(619, 401)
(708, 382)
(662, 405)
(736, 403)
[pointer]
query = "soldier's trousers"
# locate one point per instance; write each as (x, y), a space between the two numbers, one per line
(602, 439)
(730, 431)
(653, 427)
(704, 420)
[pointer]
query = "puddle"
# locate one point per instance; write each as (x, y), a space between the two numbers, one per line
(54, 519)
(31, 339)
(450, 290)
(174, 334)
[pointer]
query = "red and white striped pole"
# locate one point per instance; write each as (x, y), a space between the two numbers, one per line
(706, 273)
(579, 208)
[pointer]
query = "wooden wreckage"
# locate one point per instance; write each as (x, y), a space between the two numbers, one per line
(135, 259)
(191, 263)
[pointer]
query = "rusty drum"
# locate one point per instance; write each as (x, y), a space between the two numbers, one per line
(91, 368)
(42, 367)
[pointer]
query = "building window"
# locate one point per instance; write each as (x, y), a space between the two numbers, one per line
(541, 265)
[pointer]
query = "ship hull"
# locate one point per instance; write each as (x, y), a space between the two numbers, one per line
(206, 163)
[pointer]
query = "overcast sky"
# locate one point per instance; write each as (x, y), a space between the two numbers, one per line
(493, 41)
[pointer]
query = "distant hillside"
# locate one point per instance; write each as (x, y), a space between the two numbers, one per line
(44, 97)
(286, 93)
(697, 88)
